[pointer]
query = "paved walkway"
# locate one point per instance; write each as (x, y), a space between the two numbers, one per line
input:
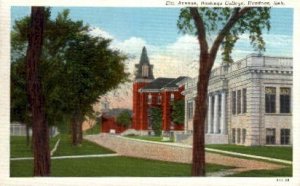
(71, 157)
(171, 152)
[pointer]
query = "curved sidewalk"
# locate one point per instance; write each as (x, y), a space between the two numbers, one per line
(174, 153)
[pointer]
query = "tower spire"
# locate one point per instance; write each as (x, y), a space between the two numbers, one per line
(144, 70)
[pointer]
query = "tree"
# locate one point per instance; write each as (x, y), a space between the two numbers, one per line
(178, 112)
(124, 118)
(91, 69)
(156, 120)
(19, 105)
(76, 68)
(35, 96)
(226, 24)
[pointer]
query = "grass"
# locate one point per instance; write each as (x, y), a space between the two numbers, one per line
(110, 166)
(20, 149)
(66, 148)
(150, 138)
(94, 130)
(284, 153)
(284, 172)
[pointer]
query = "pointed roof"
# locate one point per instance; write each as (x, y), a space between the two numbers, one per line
(144, 60)
(144, 57)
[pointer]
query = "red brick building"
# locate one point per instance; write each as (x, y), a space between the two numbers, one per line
(110, 125)
(149, 92)
(109, 122)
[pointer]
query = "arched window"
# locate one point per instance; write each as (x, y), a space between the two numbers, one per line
(159, 100)
(172, 97)
(149, 99)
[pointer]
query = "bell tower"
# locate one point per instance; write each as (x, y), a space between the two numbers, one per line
(143, 76)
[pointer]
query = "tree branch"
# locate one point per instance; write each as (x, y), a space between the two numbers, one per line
(200, 29)
(237, 13)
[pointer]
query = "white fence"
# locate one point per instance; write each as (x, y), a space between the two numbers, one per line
(20, 130)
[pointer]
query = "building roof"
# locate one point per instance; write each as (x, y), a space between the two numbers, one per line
(144, 60)
(157, 84)
(173, 84)
(115, 112)
(162, 83)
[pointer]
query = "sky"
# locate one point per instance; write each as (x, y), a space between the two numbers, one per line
(172, 53)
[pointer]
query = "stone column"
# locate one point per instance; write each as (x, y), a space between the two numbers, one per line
(216, 104)
(223, 124)
(209, 119)
(185, 115)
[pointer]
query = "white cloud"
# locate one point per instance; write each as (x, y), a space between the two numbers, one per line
(131, 46)
(97, 32)
(180, 58)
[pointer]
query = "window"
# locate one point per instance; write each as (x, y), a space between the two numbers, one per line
(233, 102)
(172, 97)
(285, 97)
(159, 100)
(233, 135)
(270, 99)
(270, 136)
(145, 70)
(149, 99)
(238, 135)
(239, 101)
(244, 100)
(285, 136)
(190, 110)
(244, 135)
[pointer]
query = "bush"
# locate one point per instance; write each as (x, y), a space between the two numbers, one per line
(124, 119)
(178, 112)
(156, 120)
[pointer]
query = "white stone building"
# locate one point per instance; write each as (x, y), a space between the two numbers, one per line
(249, 102)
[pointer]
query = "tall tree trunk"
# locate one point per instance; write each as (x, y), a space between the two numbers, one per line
(34, 91)
(198, 161)
(27, 134)
(74, 130)
(80, 137)
(76, 123)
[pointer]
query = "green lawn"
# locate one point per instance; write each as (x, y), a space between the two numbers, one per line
(149, 138)
(284, 172)
(110, 166)
(285, 153)
(94, 130)
(20, 149)
(66, 148)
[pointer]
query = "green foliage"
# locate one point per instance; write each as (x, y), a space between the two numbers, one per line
(124, 118)
(76, 68)
(178, 112)
(252, 22)
(156, 120)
